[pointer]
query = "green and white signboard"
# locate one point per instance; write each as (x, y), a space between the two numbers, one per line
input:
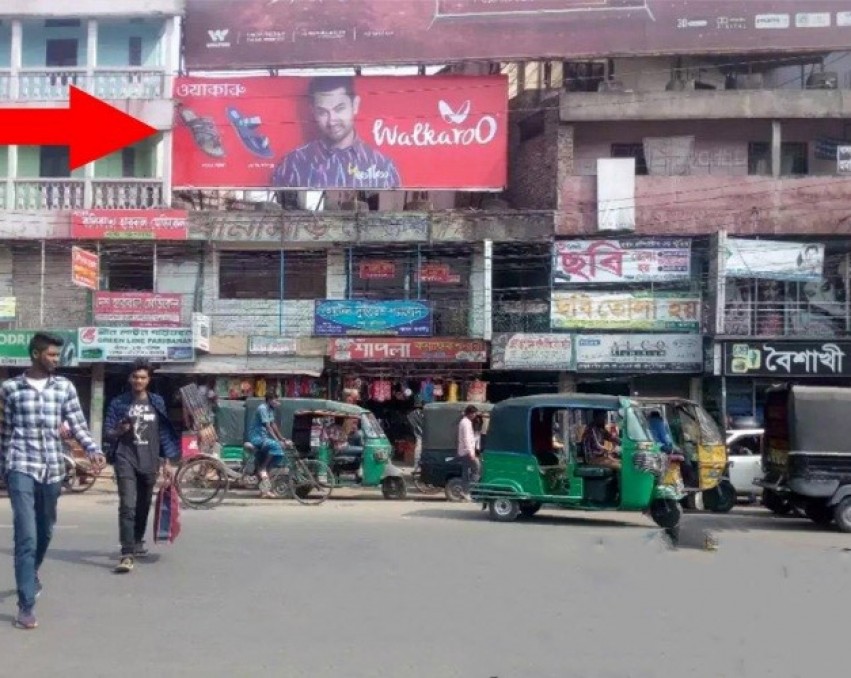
(14, 344)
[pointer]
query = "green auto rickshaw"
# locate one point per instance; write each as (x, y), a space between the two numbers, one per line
(346, 437)
(535, 455)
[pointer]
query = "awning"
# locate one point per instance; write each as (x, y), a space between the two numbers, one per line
(263, 365)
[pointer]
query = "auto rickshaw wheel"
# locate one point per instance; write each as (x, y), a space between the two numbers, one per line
(529, 508)
(455, 490)
(393, 487)
(776, 503)
(842, 514)
(819, 512)
(666, 513)
(503, 510)
(721, 498)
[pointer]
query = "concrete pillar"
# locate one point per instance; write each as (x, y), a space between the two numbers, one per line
(776, 148)
(91, 64)
(487, 292)
(17, 58)
(97, 405)
(566, 383)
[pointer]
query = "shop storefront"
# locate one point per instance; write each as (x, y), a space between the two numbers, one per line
(527, 363)
(751, 367)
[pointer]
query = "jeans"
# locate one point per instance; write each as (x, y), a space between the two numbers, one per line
(135, 493)
(471, 471)
(266, 448)
(34, 515)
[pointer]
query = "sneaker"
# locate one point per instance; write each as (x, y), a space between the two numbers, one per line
(125, 565)
(139, 551)
(25, 620)
(38, 587)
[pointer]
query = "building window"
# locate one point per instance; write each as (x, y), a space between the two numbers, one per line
(794, 158)
(586, 76)
(134, 48)
(257, 275)
(129, 269)
(128, 162)
(632, 151)
(54, 161)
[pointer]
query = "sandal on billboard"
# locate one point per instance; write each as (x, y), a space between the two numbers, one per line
(246, 128)
(204, 132)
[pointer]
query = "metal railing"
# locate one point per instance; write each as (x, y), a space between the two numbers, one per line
(127, 193)
(51, 84)
(787, 319)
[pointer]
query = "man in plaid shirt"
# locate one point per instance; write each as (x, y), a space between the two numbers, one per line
(33, 408)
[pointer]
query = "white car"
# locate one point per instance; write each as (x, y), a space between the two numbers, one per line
(744, 453)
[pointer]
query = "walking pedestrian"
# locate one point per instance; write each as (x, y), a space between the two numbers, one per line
(140, 441)
(33, 408)
(467, 447)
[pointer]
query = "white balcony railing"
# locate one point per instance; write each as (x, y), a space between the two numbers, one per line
(49, 194)
(5, 85)
(121, 194)
(70, 194)
(51, 84)
(3, 204)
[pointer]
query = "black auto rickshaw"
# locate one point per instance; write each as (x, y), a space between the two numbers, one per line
(807, 453)
(440, 466)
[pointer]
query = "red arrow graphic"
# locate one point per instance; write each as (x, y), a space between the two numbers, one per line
(89, 126)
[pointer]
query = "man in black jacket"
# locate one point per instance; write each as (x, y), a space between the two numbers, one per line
(141, 439)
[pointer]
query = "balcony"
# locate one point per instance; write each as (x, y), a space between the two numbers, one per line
(704, 105)
(51, 84)
(3, 204)
(70, 194)
(791, 319)
(702, 205)
(5, 84)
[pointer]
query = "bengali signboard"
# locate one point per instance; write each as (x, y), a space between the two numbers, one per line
(129, 224)
(14, 347)
(787, 358)
(8, 308)
(440, 274)
(222, 34)
(639, 353)
(335, 318)
(139, 309)
(412, 132)
(377, 270)
(774, 260)
(125, 344)
(85, 268)
(544, 352)
(265, 345)
(625, 311)
(202, 331)
(621, 261)
(408, 350)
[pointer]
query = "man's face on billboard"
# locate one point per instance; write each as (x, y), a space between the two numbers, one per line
(335, 113)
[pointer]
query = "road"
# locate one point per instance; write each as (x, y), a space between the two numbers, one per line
(425, 589)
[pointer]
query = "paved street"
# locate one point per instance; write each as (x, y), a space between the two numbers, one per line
(420, 588)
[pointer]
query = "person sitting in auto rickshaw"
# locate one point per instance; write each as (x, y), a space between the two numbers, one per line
(659, 431)
(595, 440)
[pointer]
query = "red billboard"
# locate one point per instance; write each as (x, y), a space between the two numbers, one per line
(407, 350)
(129, 224)
(342, 132)
(139, 309)
(264, 33)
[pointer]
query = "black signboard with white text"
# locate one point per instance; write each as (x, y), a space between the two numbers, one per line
(788, 358)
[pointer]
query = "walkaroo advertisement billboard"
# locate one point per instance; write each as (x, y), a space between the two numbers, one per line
(223, 34)
(326, 132)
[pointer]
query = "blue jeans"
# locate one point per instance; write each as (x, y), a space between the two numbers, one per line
(34, 512)
(266, 448)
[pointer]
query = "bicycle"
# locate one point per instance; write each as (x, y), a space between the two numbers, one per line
(204, 480)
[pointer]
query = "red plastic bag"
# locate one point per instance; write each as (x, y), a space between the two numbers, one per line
(167, 515)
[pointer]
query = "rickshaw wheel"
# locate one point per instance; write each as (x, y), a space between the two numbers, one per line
(666, 513)
(775, 503)
(529, 508)
(393, 487)
(503, 510)
(720, 499)
(819, 512)
(842, 514)
(455, 490)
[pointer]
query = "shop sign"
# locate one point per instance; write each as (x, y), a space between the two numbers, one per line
(139, 309)
(621, 261)
(788, 358)
(639, 353)
(774, 260)
(129, 224)
(334, 318)
(625, 311)
(8, 309)
(439, 274)
(377, 270)
(408, 350)
(532, 352)
(14, 347)
(125, 344)
(261, 345)
(85, 268)
(201, 331)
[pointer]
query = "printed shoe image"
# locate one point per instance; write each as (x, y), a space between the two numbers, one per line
(246, 128)
(204, 132)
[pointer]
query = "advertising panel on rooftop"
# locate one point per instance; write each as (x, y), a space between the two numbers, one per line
(267, 33)
(341, 132)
